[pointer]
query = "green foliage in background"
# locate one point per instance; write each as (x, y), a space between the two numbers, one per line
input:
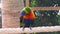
(43, 3)
(33, 3)
(47, 17)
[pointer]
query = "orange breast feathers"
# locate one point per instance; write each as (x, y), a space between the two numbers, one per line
(29, 16)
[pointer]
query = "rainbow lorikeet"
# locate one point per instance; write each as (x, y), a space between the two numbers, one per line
(27, 16)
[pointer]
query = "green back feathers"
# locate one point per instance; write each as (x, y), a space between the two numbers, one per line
(27, 9)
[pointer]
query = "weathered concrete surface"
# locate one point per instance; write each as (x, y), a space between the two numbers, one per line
(27, 30)
(10, 13)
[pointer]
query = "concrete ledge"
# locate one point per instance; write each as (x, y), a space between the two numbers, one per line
(27, 30)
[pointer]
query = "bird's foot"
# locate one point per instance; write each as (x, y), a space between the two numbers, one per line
(30, 28)
(23, 29)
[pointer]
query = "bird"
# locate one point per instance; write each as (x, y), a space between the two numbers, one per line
(27, 16)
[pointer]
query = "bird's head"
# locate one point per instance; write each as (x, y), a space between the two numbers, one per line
(27, 9)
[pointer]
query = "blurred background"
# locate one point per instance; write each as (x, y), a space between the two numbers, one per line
(46, 17)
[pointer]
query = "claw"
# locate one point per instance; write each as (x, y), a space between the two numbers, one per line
(30, 28)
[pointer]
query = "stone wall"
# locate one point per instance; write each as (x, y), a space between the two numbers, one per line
(10, 13)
